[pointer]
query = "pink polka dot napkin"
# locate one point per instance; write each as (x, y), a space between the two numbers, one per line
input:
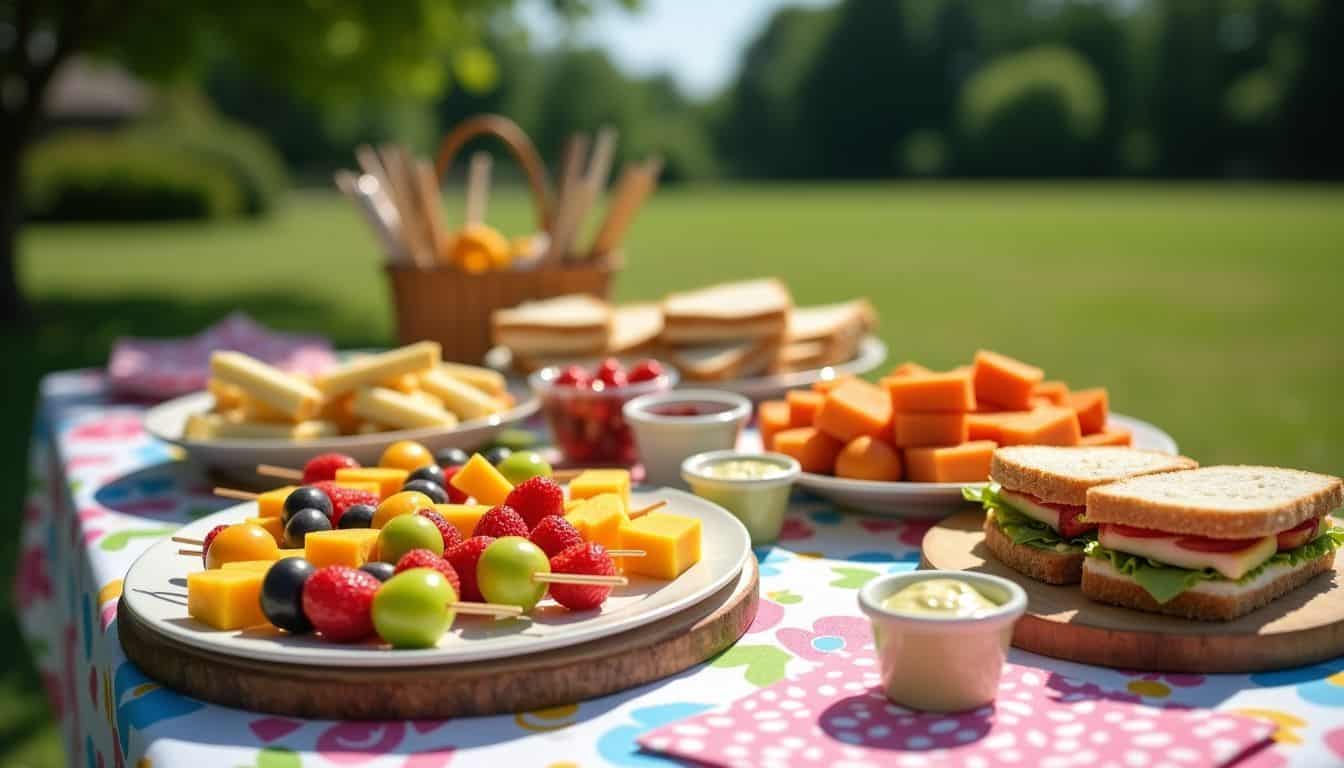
(163, 368)
(836, 715)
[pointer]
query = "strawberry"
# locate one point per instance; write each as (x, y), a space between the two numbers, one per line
(500, 521)
(324, 466)
(210, 537)
(589, 560)
(455, 496)
(554, 535)
(338, 600)
(463, 558)
(537, 498)
(451, 536)
(343, 498)
(424, 558)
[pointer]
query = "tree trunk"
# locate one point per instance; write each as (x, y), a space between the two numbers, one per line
(14, 308)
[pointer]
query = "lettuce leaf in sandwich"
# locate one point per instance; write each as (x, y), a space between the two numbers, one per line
(1019, 528)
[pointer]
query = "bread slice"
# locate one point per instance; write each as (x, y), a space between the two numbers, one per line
(1064, 475)
(728, 312)
(575, 324)
(1039, 564)
(718, 362)
(1208, 600)
(822, 323)
(634, 327)
(1232, 502)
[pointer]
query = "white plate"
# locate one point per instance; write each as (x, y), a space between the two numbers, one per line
(155, 591)
(871, 353)
(932, 500)
(167, 420)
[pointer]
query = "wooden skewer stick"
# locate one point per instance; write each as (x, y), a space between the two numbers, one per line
(402, 193)
(579, 578)
(357, 188)
(627, 553)
(190, 552)
(431, 206)
(285, 473)
(635, 186)
(187, 540)
(594, 180)
(478, 188)
(487, 609)
(234, 493)
(646, 510)
(563, 475)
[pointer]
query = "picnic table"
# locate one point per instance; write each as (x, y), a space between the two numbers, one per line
(103, 491)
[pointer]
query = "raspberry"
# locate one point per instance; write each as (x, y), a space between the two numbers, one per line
(451, 536)
(535, 499)
(463, 558)
(324, 466)
(210, 537)
(500, 521)
(554, 535)
(343, 498)
(455, 496)
(423, 558)
(587, 559)
(338, 600)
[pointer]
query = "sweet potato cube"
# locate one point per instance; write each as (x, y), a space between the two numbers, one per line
(1092, 407)
(826, 385)
(803, 406)
(815, 450)
(867, 458)
(1003, 381)
(925, 392)
(855, 408)
(1045, 426)
(772, 416)
(1113, 434)
(905, 369)
(989, 426)
(1056, 392)
(965, 463)
(917, 430)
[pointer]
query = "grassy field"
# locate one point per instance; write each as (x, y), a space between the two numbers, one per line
(1209, 311)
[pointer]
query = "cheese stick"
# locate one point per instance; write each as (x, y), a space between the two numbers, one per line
(288, 394)
(459, 397)
(375, 369)
(484, 379)
(392, 408)
(217, 426)
(226, 395)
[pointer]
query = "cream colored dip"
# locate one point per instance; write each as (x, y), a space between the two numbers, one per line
(947, 598)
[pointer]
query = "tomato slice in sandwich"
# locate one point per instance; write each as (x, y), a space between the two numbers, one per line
(1298, 535)
(1204, 544)
(1138, 533)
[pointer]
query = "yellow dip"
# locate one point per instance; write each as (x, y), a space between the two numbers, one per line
(947, 598)
(744, 469)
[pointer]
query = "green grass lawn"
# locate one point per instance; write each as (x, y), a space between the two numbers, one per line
(1209, 311)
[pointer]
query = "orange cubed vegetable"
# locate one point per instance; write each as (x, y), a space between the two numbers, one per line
(803, 406)
(815, 450)
(1057, 392)
(1044, 426)
(855, 408)
(1092, 406)
(1003, 381)
(965, 463)
(905, 369)
(917, 430)
(923, 392)
(989, 426)
(826, 385)
(867, 458)
(772, 417)
(1113, 434)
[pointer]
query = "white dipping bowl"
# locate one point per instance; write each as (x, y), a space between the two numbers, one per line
(665, 440)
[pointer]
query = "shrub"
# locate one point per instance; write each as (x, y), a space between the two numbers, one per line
(1034, 113)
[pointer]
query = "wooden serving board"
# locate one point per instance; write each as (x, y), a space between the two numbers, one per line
(1303, 627)
(516, 684)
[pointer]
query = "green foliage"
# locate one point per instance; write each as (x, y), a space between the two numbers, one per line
(1032, 113)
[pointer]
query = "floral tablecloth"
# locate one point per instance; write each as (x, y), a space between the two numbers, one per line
(102, 491)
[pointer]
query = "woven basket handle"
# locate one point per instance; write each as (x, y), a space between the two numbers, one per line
(516, 140)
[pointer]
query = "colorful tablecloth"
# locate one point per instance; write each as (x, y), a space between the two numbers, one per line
(103, 491)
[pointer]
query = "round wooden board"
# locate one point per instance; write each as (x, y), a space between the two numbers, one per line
(517, 684)
(1302, 627)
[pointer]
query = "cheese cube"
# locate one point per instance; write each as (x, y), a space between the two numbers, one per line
(595, 482)
(388, 479)
(273, 525)
(965, 463)
(463, 517)
(599, 520)
(361, 485)
(350, 547)
(225, 599)
(296, 552)
(671, 544)
(479, 479)
(261, 566)
(1051, 425)
(272, 502)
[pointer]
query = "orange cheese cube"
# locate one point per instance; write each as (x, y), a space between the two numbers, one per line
(1092, 407)
(388, 479)
(599, 519)
(923, 392)
(351, 547)
(226, 599)
(595, 482)
(273, 525)
(803, 406)
(479, 479)
(826, 385)
(671, 544)
(1003, 381)
(272, 502)
(1113, 434)
(916, 430)
(1045, 426)
(815, 450)
(463, 517)
(867, 458)
(772, 416)
(853, 409)
(905, 369)
(1055, 392)
(989, 426)
(965, 463)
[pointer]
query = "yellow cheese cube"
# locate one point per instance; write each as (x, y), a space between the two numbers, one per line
(261, 566)
(273, 526)
(225, 599)
(363, 485)
(351, 547)
(593, 482)
(463, 517)
(671, 544)
(296, 552)
(272, 503)
(599, 520)
(479, 479)
(388, 479)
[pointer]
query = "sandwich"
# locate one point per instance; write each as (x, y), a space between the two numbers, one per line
(634, 329)
(729, 312)
(726, 360)
(1036, 520)
(575, 325)
(824, 335)
(1210, 544)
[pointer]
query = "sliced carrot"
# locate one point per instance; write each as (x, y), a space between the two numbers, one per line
(803, 406)
(923, 392)
(853, 409)
(867, 458)
(1057, 392)
(815, 450)
(1003, 381)
(772, 417)
(1092, 406)
(916, 430)
(1044, 426)
(965, 463)
(1113, 434)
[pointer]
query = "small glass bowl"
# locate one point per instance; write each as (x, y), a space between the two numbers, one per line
(586, 422)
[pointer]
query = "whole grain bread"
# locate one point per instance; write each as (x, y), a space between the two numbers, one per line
(1039, 564)
(1207, 601)
(1064, 475)
(1226, 502)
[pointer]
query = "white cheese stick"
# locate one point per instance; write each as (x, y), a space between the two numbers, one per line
(288, 394)
(459, 397)
(376, 369)
(394, 409)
